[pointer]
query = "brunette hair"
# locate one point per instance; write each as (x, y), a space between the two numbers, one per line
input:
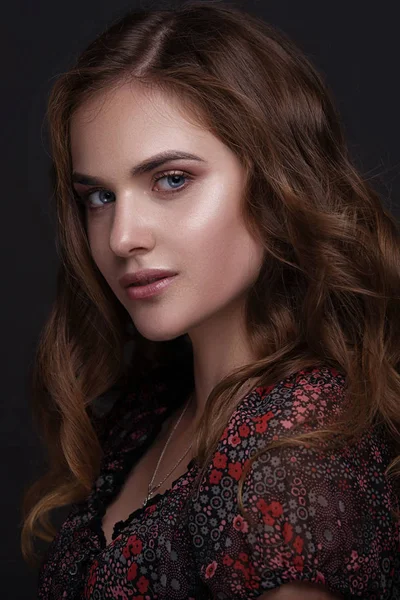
(329, 288)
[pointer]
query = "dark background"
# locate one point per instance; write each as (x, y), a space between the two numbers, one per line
(353, 44)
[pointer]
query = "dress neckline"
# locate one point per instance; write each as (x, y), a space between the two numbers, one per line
(120, 460)
(140, 417)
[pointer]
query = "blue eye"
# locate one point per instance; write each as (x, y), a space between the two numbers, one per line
(101, 191)
(107, 195)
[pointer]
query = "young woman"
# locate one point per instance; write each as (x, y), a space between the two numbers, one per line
(250, 443)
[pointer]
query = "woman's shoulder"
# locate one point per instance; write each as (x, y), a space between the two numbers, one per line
(322, 517)
(305, 402)
(314, 394)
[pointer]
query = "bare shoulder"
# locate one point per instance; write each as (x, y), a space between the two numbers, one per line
(300, 591)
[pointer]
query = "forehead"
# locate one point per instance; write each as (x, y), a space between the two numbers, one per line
(135, 112)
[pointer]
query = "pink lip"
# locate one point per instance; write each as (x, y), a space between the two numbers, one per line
(144, 275)
(151, 289)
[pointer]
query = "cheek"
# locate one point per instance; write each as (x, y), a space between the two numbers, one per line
(99, 250)
(224, 259)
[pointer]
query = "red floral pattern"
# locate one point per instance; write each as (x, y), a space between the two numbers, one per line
(319, 518)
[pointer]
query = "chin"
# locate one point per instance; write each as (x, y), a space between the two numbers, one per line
(158, 335)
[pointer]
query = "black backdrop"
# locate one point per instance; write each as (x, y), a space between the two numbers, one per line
(353, 43)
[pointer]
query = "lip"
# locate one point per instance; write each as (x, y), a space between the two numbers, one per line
(149, 290)
(143, 275)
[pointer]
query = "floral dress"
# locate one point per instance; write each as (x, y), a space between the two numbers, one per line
(318, 518)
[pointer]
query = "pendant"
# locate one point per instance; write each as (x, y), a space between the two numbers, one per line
(147, 498)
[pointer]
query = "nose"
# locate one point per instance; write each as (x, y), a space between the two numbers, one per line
(131, 227)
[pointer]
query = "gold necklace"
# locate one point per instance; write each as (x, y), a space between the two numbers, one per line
(150, 492)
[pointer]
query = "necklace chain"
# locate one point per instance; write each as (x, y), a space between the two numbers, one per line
(151, 491)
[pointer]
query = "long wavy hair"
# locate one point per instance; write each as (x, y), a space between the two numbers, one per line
(328, 291)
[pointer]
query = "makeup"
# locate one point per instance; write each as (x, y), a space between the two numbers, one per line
(137, 292)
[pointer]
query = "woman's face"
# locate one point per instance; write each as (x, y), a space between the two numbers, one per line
(188, 221)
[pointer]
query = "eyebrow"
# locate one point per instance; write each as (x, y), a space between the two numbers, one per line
(143, 167)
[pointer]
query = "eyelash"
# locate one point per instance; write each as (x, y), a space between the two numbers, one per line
(84, 198)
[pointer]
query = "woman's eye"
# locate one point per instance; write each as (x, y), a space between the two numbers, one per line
(104, 195)
(173, 178)
(173, 185)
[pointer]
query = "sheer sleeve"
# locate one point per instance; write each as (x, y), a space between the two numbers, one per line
(320, 518)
